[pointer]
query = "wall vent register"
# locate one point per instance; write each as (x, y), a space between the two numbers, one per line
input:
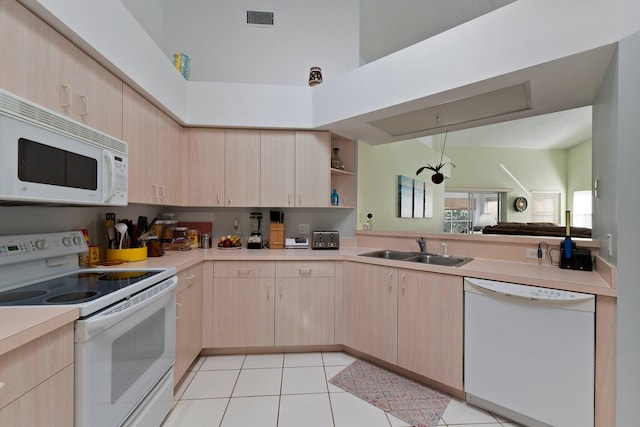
(260, 18)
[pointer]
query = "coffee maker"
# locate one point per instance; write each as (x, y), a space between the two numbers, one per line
(255, 239)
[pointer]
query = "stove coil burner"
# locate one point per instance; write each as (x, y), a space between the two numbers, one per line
(7, 297)
(73, 297)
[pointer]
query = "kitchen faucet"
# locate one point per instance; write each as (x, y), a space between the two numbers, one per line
(422, 243)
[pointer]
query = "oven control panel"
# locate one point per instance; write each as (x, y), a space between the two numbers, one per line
(28, 247)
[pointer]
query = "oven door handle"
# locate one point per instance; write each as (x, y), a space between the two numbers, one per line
(91, 326)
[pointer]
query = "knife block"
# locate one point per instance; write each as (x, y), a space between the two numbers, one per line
(276, 235)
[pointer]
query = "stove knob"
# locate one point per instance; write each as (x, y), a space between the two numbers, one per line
(77, 240)
(67, 241)
(41, 244)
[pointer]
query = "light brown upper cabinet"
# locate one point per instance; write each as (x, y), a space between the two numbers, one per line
(242, 167)
(44, 67)
(206, 160)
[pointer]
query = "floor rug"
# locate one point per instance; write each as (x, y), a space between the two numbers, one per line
(407, 400)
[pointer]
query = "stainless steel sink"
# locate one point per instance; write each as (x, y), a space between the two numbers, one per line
(385, 254)
(450, 261)
(424, 258)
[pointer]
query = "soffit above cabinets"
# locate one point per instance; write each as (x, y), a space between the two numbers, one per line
(466, 110)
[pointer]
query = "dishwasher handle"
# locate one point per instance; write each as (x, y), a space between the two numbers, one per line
(526, 292)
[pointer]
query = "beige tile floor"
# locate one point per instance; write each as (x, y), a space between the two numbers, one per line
(287, 390)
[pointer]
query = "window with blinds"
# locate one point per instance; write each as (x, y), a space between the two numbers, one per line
(545, 206)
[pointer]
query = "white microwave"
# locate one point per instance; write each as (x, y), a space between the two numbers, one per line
(48, 158)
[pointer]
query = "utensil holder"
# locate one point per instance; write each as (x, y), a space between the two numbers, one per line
(132, 254)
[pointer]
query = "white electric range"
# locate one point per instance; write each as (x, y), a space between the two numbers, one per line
(125, 337)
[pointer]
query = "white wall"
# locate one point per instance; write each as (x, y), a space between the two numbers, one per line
(626, 175)
(605, 148)
(223, 48)
(150, 15)
(462, 62)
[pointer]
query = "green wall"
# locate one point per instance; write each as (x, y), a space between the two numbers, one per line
(378, 170)
(578, 170)
(521, 170)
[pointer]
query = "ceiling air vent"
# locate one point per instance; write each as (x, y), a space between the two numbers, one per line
(255, 17)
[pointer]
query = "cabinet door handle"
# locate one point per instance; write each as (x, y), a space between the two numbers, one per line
(268, 291)
(178, 310)
(244, 270)
(65, 96)
(280, 290)
(289, 198)
(402, 282)
(217, 197)
(228, 197)
(305, 271)
(84, 105)
(154, 191)
(299, 199)
(390, 281)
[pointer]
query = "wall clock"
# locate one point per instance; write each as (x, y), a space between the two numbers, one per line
(520, 204)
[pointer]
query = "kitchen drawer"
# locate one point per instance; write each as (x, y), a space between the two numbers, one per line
(244, 269)
(27, 366)
(189, 276)
(305, 269)
(49, 404)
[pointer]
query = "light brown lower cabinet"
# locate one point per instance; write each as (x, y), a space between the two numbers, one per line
(305, 303)
(48, 404)
(409, 318)
(243, 304)
(188, 319)
(38, 382)
(370, 309)
(265, 303)
(430, 325)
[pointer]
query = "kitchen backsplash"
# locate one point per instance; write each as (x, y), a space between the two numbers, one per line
(35, 218)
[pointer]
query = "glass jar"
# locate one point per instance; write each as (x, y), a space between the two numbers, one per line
(336, 161)
(180, 233)
(168, 230)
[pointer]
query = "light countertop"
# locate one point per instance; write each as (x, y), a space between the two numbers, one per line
(508, 271)
(21, 325)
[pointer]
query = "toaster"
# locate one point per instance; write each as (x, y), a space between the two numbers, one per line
(325, 240)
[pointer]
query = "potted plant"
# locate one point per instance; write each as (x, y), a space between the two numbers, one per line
(437, 177)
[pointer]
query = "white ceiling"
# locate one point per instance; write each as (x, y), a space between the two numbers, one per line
(559, 130)
(386, 27)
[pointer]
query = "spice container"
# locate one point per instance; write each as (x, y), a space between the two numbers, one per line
(194, 236)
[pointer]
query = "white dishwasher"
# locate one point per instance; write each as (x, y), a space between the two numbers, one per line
(529, 353)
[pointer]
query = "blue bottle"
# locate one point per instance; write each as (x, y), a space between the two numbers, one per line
(334, 198)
